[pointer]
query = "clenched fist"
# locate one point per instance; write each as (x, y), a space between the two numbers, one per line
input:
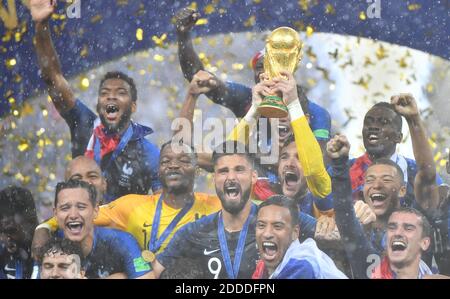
(338, 147)
(41, 10)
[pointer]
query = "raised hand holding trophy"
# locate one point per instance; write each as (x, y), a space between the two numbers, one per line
(283, 52)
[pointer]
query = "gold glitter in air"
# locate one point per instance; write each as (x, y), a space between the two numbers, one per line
(299, 25)
(40, 132)
(84, 83)
(17, 36)
(159, 41)
(11, 100)
(311, 82)
(96, 19)
(309, 31)
(201, 21)
(15, 113)
(59, 143)
(23, 146)
(52, 176)
(197, 41)
(430, 88)
(362, 16)
(45, 113)
(139, 34)
(142, 72)
(329, 9)
(310, 54)
(237, 66)
(193, 5)
(158, 57)
(209, 9)
(381, 52)
(414, 6)
(227, 40)
(363, 83)
(402, 63)
(10, 63)
(212, 42)
(368, 61)
(250, 21)
(84, 52)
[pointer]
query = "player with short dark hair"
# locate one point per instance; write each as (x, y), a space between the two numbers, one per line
(17, 222)
(113, 140)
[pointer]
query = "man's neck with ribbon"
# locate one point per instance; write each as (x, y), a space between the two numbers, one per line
(235, 222)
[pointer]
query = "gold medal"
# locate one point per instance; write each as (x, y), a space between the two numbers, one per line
(148, 256)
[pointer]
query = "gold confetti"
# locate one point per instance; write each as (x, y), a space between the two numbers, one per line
(139, 34)
(363, 83)
(17, 36)
(40, 132)
(96, 19)
(250, 22)
(402, 63)
(23, 146)
(60, 143)
(209, 9)
(430, 88)
(11, 100)
(237, 66)
(159, 41)
(412, 7)
(368, 62)
(84, 52)
(10, 63)
(309, 31)
(202, 21)
(381, 52)
(15, 113)
(362, 16)
(329, 9)
(193, 6)
(51, 176)
(84, 83)
(158, 57)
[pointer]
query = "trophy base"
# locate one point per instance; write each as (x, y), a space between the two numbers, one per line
(273, 107)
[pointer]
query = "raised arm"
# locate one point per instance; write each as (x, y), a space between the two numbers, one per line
(190, 62)
(58, 87)
(425, 187)
(356, 244)
(309, 152)
(201, 83)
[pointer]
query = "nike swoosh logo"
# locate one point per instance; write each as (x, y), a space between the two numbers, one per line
(206, 252)
(147, 225)
(9, 269)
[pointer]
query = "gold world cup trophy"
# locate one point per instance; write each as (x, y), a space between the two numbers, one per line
(283, 52)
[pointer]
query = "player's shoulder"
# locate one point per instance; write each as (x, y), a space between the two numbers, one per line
(316, 108)
(202, 225)
(131, 202)
(114, 235)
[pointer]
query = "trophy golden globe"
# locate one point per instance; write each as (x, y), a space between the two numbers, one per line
(283, 52)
